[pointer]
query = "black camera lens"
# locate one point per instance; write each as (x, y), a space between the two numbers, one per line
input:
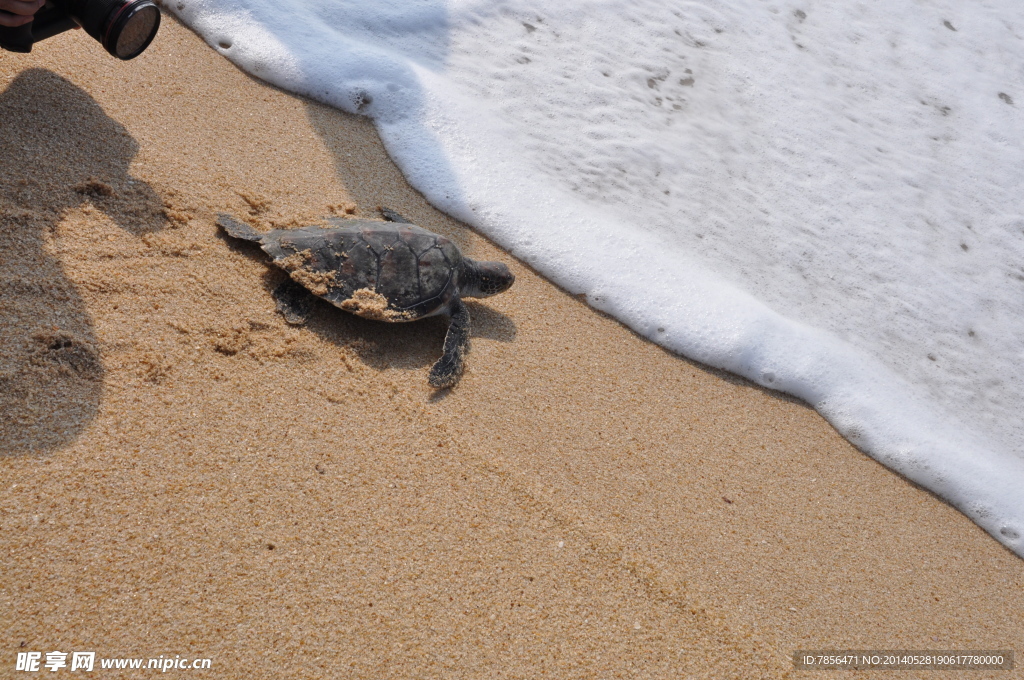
(132, 29)
(124, 27)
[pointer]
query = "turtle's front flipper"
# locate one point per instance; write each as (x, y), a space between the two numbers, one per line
(448, 369)
(294, 302)
(391, 216)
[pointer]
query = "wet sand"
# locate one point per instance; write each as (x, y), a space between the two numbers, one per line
(185, 474)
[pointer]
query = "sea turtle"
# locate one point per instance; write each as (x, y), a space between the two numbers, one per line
(386, 271)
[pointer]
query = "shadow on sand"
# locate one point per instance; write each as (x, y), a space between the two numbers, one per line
(59, 150)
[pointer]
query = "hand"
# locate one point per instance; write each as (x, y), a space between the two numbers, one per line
(18, 12)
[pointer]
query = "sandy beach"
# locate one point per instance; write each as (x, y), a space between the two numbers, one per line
(184, 473)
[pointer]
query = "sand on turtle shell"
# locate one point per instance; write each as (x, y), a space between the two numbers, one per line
(317, 282)
(370, 304)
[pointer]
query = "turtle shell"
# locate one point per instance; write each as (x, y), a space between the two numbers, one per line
(387, 271)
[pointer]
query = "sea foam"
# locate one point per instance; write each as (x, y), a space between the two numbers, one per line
(825, 198)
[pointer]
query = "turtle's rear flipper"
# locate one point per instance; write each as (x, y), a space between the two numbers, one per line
(391, 216)
(448, 369)
(238, 229)
(294, 302)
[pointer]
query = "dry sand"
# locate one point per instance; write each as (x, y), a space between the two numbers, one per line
(184, 474)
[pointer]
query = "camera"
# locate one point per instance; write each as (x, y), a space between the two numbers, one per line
(124, 27)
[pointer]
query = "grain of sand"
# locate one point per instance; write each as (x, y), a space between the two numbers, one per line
(185, 474)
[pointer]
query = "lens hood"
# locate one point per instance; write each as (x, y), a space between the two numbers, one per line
(130, 28)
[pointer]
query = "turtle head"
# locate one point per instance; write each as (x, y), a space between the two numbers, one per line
(484, 279)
